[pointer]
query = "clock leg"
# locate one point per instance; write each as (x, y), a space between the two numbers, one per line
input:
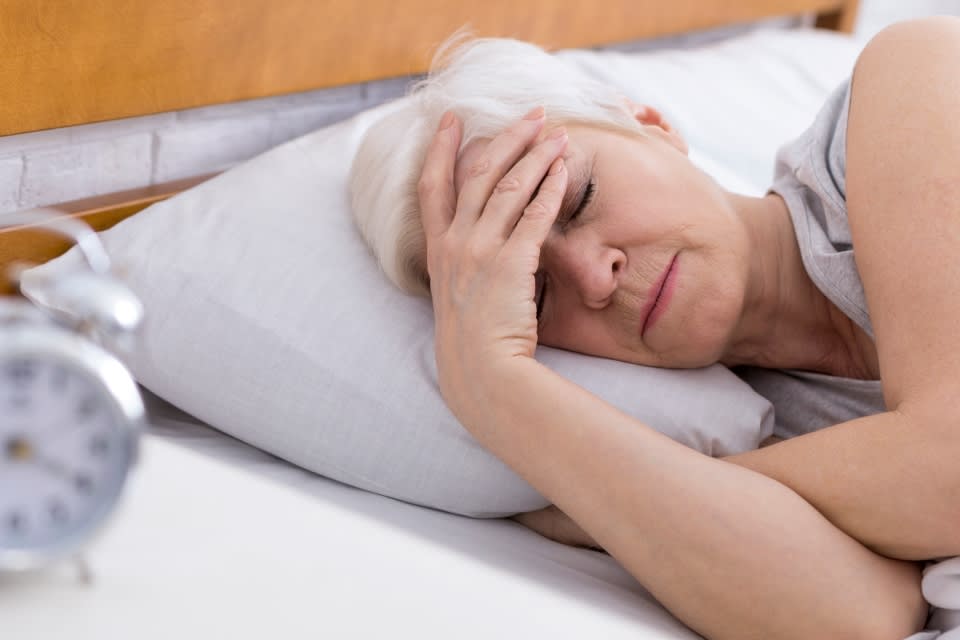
(84, 574)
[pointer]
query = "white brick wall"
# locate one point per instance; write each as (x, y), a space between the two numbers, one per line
(46, 167)
(72, 171)
(11, 173)
(296, 121)
(195, 147)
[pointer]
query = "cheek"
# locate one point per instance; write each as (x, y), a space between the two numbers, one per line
(647, 215)
(713, 297)
(575, 330)
(674, 196)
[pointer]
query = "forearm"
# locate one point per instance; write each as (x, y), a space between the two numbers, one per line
(731, 552)
(883, 479)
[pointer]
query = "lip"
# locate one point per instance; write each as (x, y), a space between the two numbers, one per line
(658, 299)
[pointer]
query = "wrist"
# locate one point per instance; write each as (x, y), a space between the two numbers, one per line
(487, 392)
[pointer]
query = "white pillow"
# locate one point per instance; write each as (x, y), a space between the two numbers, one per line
(737, 100)
(268, 318)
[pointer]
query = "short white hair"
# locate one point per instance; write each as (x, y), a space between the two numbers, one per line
(489, 83)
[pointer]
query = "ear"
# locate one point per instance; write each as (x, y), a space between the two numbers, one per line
(654, 120)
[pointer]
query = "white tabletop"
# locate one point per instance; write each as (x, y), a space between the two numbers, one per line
(200, 549)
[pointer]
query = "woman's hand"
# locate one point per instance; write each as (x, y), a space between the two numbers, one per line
(554, 524)
(483, 248)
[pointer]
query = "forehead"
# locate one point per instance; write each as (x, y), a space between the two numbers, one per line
(472, 153)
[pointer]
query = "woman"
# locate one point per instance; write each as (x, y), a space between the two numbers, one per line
(584, 226)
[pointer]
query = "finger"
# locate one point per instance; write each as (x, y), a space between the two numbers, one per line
(514, 191)
(499, 156)
(436, 191)
(538, 216)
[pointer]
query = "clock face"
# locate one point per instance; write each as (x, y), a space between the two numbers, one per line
(64, 452)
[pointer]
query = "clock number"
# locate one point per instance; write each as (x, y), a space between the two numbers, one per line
(87, 408)
(83, 483)
(58, 511)
(21, 372)
(16, 522)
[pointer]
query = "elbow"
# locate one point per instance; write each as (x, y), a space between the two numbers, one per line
(895, 612)
(901, 623)
(886, 604)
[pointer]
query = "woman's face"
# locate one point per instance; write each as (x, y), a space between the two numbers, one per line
(652, 269)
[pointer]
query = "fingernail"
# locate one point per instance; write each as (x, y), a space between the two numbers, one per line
(446, 121)
(556, 167)
(536, 113)
(559, 132)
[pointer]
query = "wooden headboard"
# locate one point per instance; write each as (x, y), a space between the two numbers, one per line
(70, 62)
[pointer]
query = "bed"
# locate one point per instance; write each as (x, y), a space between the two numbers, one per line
(245, 543)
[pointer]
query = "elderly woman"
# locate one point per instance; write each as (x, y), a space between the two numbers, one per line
(583, 225)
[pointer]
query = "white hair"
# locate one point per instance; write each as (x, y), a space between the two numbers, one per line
(489, 83)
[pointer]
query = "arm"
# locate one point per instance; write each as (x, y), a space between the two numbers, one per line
(554, 524)
(893, 480)
(691, 528)
(884, 480)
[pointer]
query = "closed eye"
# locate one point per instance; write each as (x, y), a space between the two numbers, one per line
(540, 289)
(540, 278)
(584, 201)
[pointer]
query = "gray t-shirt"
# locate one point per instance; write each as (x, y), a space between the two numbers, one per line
(810, 176)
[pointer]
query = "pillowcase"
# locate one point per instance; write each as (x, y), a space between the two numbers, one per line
(268, 318)
(738, 100)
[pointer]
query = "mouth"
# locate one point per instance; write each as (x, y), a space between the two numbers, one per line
(659, 297)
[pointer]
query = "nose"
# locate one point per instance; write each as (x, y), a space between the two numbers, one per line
(593, 273)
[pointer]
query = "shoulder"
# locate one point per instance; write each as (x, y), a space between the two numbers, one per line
(903, 90)
(919, 31)
(903, 191)
(903, 95)
(903, 72)
(897, 52)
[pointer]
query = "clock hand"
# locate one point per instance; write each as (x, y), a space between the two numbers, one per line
(80, 481)
(54, 466)
(19, 449)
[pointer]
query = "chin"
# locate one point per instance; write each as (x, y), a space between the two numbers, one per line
(692, 359)
(701, 344)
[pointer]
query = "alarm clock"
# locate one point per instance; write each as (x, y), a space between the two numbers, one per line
(70, 412)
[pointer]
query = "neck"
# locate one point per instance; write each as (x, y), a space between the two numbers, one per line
(787, 323)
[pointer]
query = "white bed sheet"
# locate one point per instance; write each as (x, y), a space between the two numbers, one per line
(413, 572)
(397, 570)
